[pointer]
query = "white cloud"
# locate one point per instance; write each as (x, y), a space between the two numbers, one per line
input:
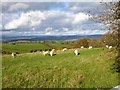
(53, 23)
(18, 6)
(74, 8)
(28, 19)
(1, 14)
(79, 17)
(48, 29)
(49, 18)
(65, 29)
(1, 27)
(49, 33)
(1, 21)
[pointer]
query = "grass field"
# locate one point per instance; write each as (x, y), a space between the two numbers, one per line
(90, 69)
(23, 47)
(27, 47)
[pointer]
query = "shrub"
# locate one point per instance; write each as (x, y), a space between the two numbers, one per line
(83, 42)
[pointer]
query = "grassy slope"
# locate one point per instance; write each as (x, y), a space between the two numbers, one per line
(22, 47)
(91, 69)
(27, 47)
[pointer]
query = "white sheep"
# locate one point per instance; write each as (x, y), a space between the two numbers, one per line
(110, 47)
(76, 52)
(82, 46)
(90, 47)
(107, 46)
(64, 49)
(52, 52)
(13, 55)
(45, 53)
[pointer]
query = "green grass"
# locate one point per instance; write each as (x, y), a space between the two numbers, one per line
(60, 44)
(23, 47)
(90, 69)
(27, 47)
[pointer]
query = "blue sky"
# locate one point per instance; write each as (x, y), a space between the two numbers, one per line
(49, 18)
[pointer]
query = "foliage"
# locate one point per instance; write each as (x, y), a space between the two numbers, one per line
(86, 42)
(109, 39)
(111, 18)
(96, 43)
(83, 42)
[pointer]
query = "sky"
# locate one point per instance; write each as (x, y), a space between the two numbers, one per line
(49, 18)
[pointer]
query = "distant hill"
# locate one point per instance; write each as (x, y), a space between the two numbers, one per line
(6, 39)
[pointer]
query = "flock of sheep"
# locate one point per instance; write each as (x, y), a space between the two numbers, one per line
(53, 50)
(51, 53)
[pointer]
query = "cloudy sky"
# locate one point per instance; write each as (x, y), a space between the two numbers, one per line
(49, 18)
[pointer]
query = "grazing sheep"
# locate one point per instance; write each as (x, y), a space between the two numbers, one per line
(90, 47)
(52, 52)
(45, 53)
(64, 49)
(110, 47)
(107, 46)
(76, 52)
(13, 55)
(82, 46)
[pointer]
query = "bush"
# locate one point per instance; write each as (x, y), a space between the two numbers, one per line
(110, 39)
(83, 42)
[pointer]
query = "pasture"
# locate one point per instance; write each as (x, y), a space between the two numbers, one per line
(90, 69)
(27, 47)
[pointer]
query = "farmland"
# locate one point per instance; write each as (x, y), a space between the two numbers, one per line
(90, 69)
(27, 47)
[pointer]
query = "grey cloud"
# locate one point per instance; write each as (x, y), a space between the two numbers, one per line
(83, 7)
(42, 6)
(45, 6)
(18, 6)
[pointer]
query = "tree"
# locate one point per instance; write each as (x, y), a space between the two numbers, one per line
(83, 42)
(111, 18)
(95, 42)
(109, 39)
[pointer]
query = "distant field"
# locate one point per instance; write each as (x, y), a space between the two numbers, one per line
(27, 47)
(90, 69)
(23, 47)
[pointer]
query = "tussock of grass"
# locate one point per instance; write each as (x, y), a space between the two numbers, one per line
(90, 69)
